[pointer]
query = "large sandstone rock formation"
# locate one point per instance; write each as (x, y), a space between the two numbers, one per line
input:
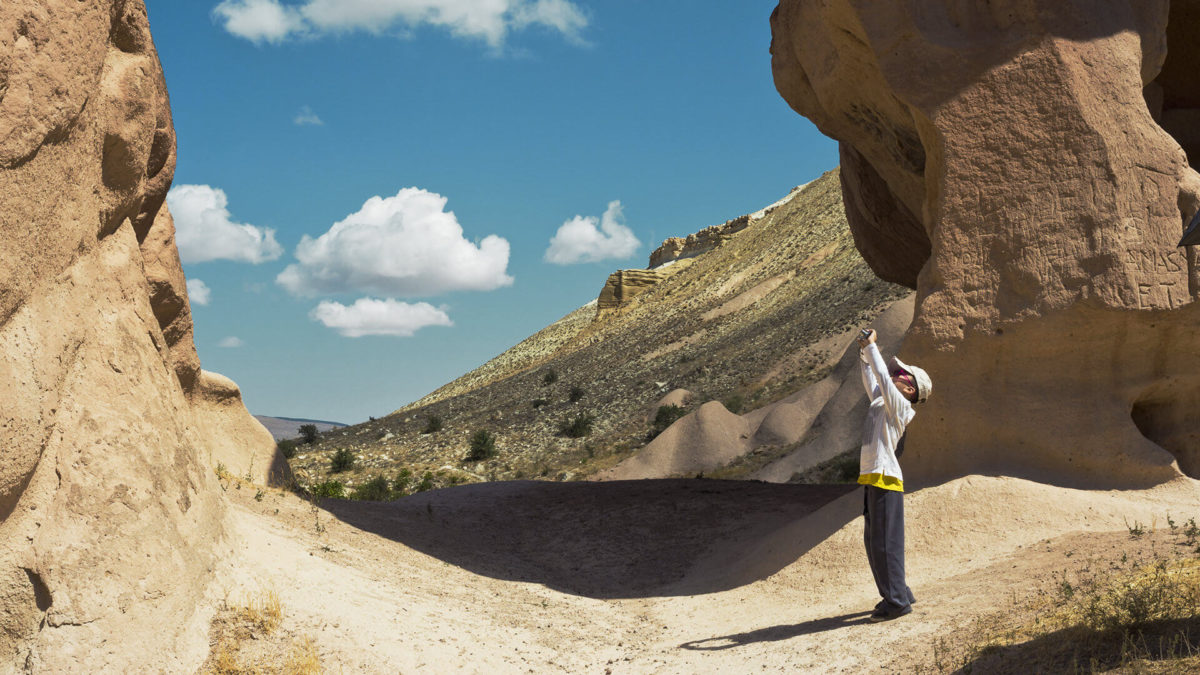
(1006, 159)
(111, 520)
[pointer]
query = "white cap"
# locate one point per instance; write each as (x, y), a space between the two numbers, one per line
(924, 384)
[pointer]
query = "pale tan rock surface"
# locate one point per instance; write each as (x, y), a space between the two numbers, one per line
(1054, 312)
(111, 517)
(622, 287)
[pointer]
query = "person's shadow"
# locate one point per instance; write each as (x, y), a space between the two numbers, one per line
(777, 633)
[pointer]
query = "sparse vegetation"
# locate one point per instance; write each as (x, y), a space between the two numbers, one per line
(287, 448)
(665, 417)
(426, 482)
(308, 433)
(433, 424)
(576, 394)
(333, 489)
(342, 460)
(539, 402)
(1129, 615)
(550, 377)
(375, 490)
(400, 485)
(577, 428)
(842, 468)
(483, 446)
(735, 404)
(1136, 530)
(247, 640)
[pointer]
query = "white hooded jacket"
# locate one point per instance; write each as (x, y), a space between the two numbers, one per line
(888, 416)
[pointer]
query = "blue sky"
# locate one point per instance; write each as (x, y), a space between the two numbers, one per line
(374, 197)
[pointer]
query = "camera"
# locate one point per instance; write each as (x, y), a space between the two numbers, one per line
(865, 333)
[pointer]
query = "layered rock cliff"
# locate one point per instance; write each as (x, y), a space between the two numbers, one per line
(1006, 160)
(111, 517)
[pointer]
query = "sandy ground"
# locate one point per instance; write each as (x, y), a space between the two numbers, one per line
(670, 576)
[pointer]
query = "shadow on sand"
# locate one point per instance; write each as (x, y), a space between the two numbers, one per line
(777, 633)
(619, 539)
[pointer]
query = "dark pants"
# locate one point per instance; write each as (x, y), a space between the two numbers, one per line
(883, 534)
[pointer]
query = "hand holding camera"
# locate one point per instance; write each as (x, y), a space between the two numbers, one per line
(865, 337)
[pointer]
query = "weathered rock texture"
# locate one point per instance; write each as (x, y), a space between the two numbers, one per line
(697, 243)
(1003, 158)
(111, 517)
(623, 286)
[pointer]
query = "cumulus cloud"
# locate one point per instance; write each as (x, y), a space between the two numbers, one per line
(260, 20)
(590, 239)
(231, 342)
(486, 20)
(198, 292)
(306, 117)
(368, 316)
(406, 245)
(204, 229)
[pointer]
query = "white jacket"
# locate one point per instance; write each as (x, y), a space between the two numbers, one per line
(889, 414)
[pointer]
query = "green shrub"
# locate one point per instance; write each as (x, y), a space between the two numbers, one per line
(550, 377)
(375, 490)
(735, 403)
(433, 424)
(287, 448)
(331, 488)
(483, 446)
(665, 417)
(400, 485)
(343, 460)
(576, 394)
(426, 482)
(308, 433)
(539, 402)
(577, 428)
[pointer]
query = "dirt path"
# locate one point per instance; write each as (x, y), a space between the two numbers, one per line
(657, 576)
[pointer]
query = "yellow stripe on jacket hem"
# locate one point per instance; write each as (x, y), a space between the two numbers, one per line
(881, 481)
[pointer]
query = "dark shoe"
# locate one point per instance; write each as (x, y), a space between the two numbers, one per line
(889, 614)
(879, 605)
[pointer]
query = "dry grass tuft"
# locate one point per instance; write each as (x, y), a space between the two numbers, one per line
(263, 612)
(1131, 615)
(246, 641)
(303, 658)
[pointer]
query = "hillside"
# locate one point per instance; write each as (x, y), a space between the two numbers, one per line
(289, 427)
(746, 323)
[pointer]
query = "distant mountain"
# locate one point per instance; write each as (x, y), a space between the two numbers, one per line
(746, 314)
(289, 427)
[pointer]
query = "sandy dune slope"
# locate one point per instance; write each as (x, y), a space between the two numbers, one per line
(656, 576)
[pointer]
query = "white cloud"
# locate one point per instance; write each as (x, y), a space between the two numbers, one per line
(198, 292)
(368, 316)
(204, 229)
(306, 116)
(588, 239)
(231, 342)
(260, 20)
(406, 245)
(486, 20)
